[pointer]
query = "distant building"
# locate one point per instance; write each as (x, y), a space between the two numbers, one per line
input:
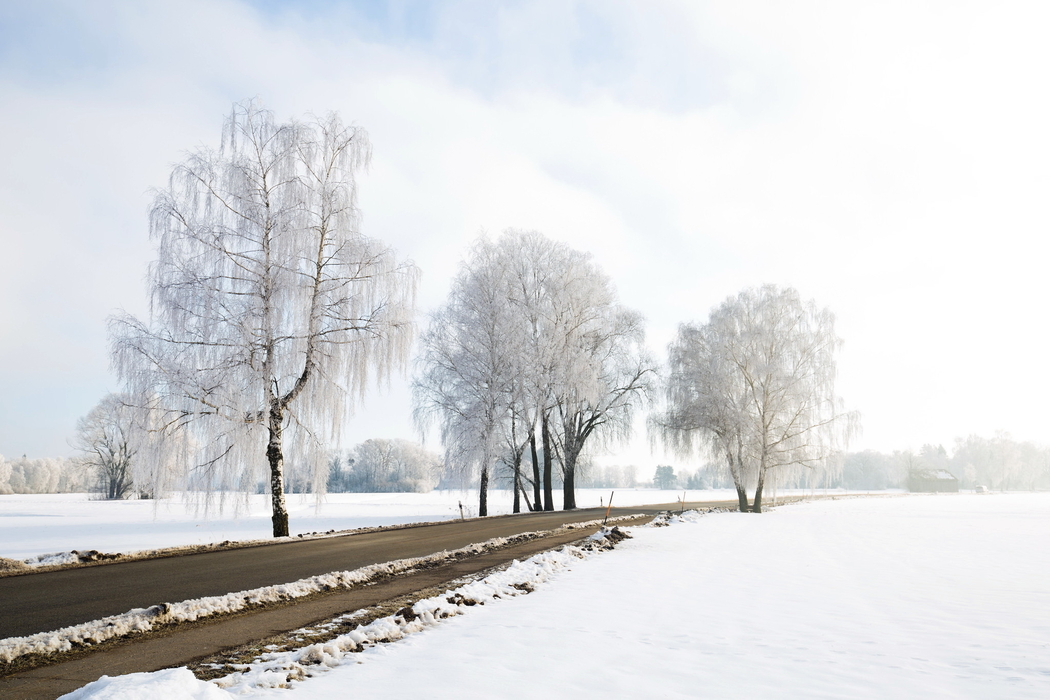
(932, 481)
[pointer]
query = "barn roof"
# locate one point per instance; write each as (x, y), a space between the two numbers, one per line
(938, 474)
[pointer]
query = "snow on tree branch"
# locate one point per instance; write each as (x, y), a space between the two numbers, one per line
(270, 312)
(756, 386)
(530, 340)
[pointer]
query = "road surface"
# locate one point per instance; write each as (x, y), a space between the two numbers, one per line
(46, 601)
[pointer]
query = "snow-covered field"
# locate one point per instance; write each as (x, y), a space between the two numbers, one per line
(31, 525)
(917, 597)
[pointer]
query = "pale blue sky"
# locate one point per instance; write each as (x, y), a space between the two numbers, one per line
(885, 158)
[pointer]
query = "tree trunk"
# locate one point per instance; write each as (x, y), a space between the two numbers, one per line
(741, 491)
(483, 492)
(275, 456)
(537, 499)
(569, 482)
(741, 495)
(548, 486)
(757, 507)
(517, 483)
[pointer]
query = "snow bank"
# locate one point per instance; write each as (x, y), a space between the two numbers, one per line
(52, 559)
(170, 684)
(864, 599)
(145, 619)
(280, 669)
(934, 597)
(65, 558)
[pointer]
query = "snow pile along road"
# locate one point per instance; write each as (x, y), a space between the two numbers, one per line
(141, 620)
(169, 684)
(932, 597)
(279, 669)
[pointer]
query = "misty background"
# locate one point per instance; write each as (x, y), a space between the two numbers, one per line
(887, 160)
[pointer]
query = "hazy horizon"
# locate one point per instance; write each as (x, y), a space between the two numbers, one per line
(886, 160)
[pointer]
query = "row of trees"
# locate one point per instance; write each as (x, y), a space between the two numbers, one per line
(531, 354)
(998, 463)
(44, 476)
(271, 313)
(609, 477)
(106, 465)
(384, 466)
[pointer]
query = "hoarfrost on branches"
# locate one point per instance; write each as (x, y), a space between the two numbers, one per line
(468, 360)
(270, 311)
(379, 465)
(531, 340)
(756, 385)
(106, 440)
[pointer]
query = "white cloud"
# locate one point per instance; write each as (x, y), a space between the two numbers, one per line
(886, 159)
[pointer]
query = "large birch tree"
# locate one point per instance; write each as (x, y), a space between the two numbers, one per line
(270, 311)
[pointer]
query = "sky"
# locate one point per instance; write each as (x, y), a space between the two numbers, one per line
(886, 159)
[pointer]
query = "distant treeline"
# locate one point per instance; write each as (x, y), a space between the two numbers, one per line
(59, 475)
(381, 466)
(998, 463)
(595, 477)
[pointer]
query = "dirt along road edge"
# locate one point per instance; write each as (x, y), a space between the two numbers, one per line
(183, 644)
(34, 603)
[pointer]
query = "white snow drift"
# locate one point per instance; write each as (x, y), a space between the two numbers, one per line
(926, 596)
(145, 619)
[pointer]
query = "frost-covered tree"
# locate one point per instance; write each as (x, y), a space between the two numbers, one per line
(704, 404)
(270, 311)
(531, 340)
(608, 374)
(665, 478)
(61, 475)
(537, 273)
(105, 439)
(468, 360)
(581, 360)
(1000, 463)
(378, 465)
(756, 385)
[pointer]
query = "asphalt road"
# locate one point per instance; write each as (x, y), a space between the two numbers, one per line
(47, 601)
(196, 642)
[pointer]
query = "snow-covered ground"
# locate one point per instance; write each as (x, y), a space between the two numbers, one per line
(31, 525)
(918, 597)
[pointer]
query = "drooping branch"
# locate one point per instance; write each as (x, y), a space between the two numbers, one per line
(265, 298)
